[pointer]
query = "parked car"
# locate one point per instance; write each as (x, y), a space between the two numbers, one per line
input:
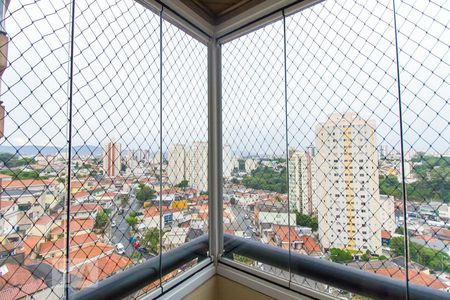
(120, 249)
(142, 250)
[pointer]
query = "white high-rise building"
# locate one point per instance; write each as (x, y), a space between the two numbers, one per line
(176, 168)
(250, 165)
(348, 191)
(228, 161)
(302, 183)
(112, 160)
(191, 163)
(387, 213)
(197, 166)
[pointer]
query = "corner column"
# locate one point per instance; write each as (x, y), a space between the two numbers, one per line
(215, 178)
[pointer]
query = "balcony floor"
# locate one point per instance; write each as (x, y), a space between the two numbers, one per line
(221, 288)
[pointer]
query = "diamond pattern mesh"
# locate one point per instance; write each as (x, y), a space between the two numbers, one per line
(323, 155)
(120, 204)
(339, 195)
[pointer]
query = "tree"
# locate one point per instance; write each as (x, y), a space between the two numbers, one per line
(389, 185)
(132, 220)
(306, 221)
(183, 184)
(243, 259)
(144, 193)
(10, 160)
(124, 201)
(365, 257)
(432, 180)
(400, 230)
(264, 178)
(22, 175)
(431, 258)
(339, 255)
(151, 240)
(101, 220)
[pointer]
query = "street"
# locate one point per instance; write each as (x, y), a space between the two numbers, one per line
(121, 233)
(244, 224)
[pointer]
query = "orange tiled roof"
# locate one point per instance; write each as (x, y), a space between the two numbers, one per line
(309, 244)
(415, 276)
(86, 207)
(94, 271)
(18, 282)
(60, 244)
(199, 198)
(385, 234)
(24, 183)
(46, 219)
(6, 204)
(154, 211)
(75, 226)
(283, 232)
(80, 194)
(108, 194)
(87, 254)
(30, 242)
(442, 232)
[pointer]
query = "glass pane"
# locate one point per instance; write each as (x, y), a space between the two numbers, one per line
(33, 150)
(344, 136)
(115, 143)
(424, 36)
(184, 196)
(254, 158)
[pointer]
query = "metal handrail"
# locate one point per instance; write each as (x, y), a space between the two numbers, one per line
(137, 277)
(344, 277)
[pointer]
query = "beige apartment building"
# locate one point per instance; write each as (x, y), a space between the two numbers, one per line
(348, 191)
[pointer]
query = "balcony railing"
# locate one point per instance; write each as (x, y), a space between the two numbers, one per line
(308, 146)
(132, 280)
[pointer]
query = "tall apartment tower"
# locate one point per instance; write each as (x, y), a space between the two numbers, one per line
(197, 166)
(176, 168)
(111, 159)
(228, 161)
(348, 192)
(190, 162)
(302, 183)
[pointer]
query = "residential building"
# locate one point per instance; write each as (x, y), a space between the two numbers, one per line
(302, 183)
(10, 213)
(189, 162)
(250, 165)
(385, 213)
(112, 160)
(197, 166)
(348, 190)
(176, 169)
(229, 161)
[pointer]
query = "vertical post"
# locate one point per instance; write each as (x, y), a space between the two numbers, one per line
(402, 151)
(215, 179)
(286, 137)
(161, 232)
(69, 151)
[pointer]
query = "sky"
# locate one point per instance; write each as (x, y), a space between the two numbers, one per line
(340, 56)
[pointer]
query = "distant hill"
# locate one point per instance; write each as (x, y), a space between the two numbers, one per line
(50, 150)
